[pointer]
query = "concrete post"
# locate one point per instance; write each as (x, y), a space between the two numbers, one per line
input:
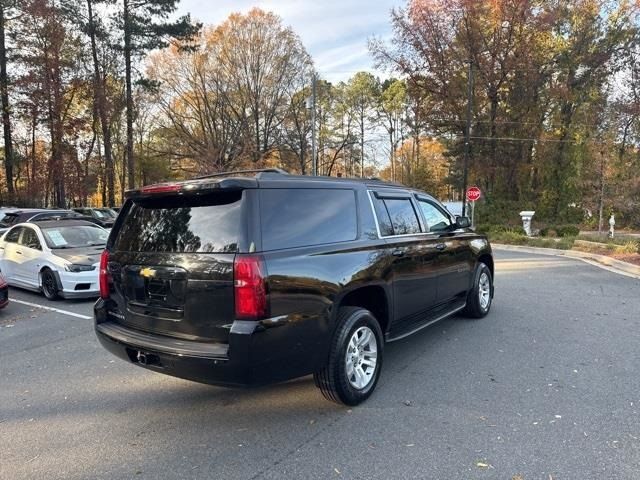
(526, 216)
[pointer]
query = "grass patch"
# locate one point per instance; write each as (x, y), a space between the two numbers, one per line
(516, 238)
(618, 245)
(629, 247)
(621, 240)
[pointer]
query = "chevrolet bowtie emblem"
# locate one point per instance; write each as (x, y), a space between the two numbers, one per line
(147, 272)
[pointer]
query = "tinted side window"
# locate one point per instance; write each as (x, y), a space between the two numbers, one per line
(437, 221)
(30, 239)
(384, 222)
(13, 235)
(297, 217)
(10, 219)
(403, 216)
(43, 216)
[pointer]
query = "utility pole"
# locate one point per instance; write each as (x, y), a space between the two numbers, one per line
(601, 200)
(314, 161)
(467, 138)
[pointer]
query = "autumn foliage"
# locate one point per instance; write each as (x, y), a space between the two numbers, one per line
(555, 101)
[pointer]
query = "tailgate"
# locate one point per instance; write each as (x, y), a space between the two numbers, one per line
(171, 264)
(187, 295)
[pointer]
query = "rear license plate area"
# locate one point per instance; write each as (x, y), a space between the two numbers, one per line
(157, 290)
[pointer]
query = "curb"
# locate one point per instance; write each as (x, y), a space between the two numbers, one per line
(601, 261)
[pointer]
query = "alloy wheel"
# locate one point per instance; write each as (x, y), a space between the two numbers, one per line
(361, 358)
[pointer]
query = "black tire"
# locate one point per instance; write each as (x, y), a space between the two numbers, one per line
(475, 308)
(49, 285)
(332, 378)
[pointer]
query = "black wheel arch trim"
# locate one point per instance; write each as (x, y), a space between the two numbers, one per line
(351, 288)
(56, 277)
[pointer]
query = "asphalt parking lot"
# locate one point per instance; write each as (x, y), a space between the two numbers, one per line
(546, 387)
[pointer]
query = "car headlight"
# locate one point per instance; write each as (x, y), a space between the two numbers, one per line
(72, 267)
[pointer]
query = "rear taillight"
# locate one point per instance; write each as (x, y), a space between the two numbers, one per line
(103, 277)
(249, 287)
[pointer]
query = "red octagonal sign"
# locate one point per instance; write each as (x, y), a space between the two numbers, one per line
(473, 194)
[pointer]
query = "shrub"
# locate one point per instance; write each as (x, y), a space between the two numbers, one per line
(548, 232)
(509, 237)
(492, 229)
(517, 230)
(513, 238)
(568, 231)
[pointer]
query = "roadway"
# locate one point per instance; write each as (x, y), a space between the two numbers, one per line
(545, 387)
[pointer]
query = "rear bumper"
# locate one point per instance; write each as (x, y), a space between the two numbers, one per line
(253, 356)
(153, 355)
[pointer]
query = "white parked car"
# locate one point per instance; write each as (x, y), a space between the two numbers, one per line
(58, 257)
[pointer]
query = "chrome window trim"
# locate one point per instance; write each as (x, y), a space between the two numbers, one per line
(381, 237)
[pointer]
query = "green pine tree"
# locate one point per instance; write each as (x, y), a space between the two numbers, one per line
(146, 26)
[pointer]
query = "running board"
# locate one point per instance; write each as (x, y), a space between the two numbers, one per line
(425, 325)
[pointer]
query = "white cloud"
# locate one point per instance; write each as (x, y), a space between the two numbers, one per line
(335, 32)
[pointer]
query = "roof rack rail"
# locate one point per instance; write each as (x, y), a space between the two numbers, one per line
(259, 170)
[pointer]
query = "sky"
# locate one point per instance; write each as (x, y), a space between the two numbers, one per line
(334, 32)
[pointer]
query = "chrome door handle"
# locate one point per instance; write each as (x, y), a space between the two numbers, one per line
(398, 252)
(441, 246)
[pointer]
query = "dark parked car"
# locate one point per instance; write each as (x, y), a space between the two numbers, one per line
(243, 280)
(101, 216)
(20, 215)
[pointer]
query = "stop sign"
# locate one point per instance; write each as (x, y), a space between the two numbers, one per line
(473, 194)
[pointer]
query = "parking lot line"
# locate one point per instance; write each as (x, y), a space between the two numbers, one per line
(57, 310)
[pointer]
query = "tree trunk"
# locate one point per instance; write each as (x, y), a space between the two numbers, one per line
(100, 100)
(6, 116)
(34, 126)
(559, 166)
(601, 200)
(392, 156)
(129, 97)
(55, 100)
(362, 143)
(493, 159)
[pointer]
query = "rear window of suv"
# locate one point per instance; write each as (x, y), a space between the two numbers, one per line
(303, 217)
(184, 224)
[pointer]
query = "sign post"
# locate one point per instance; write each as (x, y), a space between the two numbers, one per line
(473, 194)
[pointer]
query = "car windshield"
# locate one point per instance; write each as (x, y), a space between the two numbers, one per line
(74, 236)
(105, 213)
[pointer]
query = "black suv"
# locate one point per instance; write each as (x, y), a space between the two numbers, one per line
(245, 280)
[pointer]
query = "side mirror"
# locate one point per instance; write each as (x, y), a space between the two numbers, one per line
(463, 222)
